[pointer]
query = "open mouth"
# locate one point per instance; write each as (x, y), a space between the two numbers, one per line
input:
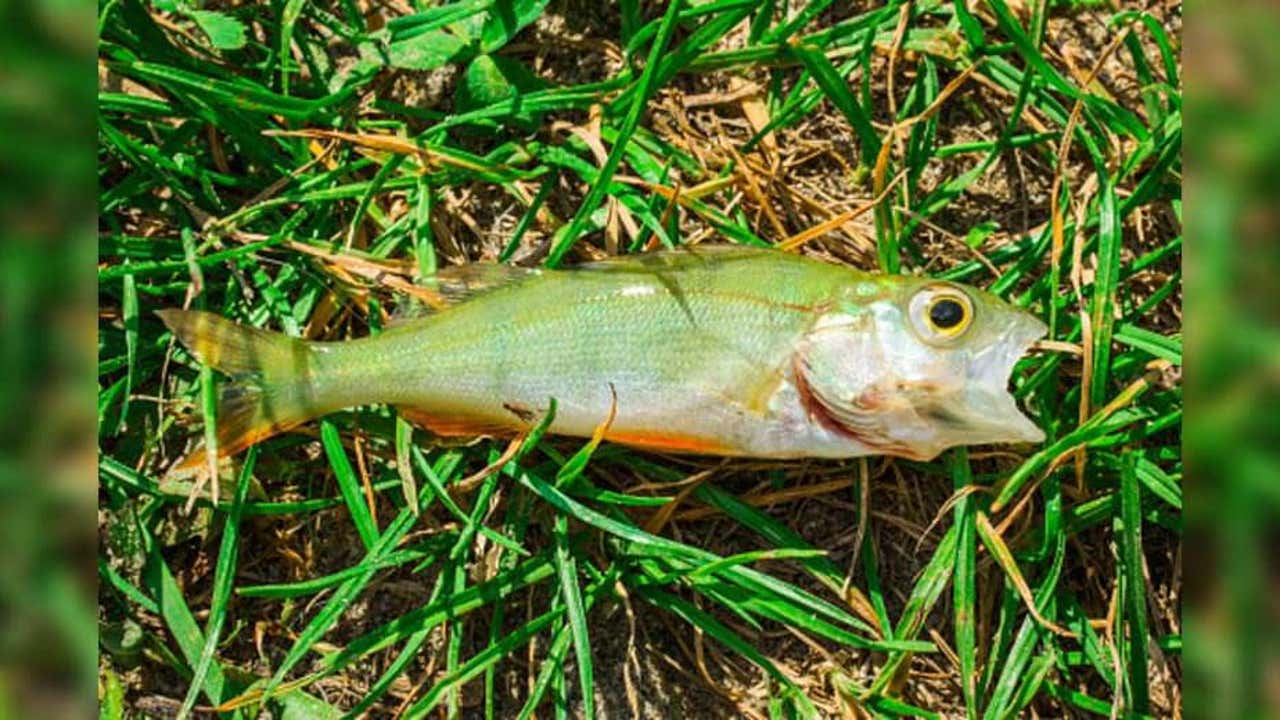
(991, 410)
(994, 366)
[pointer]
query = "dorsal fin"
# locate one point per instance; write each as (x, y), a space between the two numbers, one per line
(675, 258)
(460, 283)
(457, 284)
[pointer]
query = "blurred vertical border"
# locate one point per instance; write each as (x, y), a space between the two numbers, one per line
(48, 637)
(1232, 438)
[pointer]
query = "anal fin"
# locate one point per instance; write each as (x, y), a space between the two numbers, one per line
(454, 425)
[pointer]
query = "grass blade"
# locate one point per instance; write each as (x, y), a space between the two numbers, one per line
(348, 484)
(965, 582)
(223, 578)
(645, 86)
(1133, 588)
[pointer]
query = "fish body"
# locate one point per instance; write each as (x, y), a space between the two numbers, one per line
(715, 350)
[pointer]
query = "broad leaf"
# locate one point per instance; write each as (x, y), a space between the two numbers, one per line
(505, 19)
(224, 32)
(427, 51)
(492, 78)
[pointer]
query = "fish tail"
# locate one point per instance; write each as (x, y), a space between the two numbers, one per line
(273, 386)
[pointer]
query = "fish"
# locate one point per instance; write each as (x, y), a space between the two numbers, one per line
(712, 350)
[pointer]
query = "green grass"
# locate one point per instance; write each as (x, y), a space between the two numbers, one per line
(204, 201)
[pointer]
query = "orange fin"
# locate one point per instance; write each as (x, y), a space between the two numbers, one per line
(456, 425)
(666, 441)
(235, 434)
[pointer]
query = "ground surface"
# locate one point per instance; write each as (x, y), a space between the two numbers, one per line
(477, 133)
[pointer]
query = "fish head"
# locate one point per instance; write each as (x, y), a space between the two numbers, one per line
(913, 366)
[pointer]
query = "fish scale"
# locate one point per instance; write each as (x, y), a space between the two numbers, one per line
(659, 345)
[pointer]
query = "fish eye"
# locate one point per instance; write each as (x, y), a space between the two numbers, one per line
(941, 312)
(946, 313)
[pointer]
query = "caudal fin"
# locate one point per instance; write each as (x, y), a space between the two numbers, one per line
(272, 388)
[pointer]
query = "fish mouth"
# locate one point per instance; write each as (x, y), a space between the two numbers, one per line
(990, 413)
